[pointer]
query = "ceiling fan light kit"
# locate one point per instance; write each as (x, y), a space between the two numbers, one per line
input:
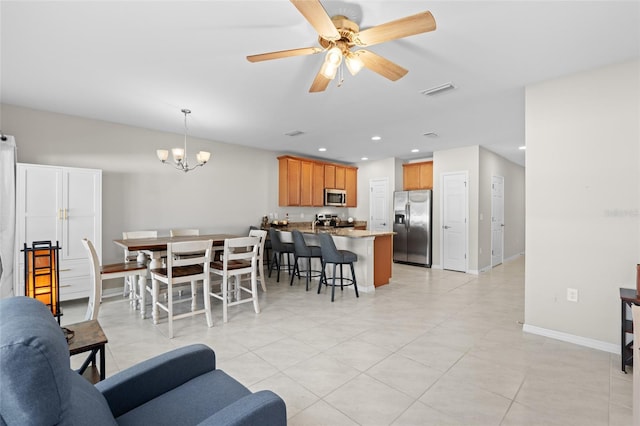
(338, 34)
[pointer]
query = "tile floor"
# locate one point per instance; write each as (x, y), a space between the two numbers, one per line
(432, 348)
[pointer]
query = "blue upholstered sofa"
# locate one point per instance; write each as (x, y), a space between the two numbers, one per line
(181, 387)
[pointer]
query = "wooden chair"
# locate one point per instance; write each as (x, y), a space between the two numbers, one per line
(180, 270)
(105, 272)
(263, 236)
(240, 257)
(136, 257)
(184, 232)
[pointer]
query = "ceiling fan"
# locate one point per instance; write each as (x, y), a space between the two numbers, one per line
(337, 35)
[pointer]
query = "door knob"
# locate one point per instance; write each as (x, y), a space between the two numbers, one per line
(445, 227)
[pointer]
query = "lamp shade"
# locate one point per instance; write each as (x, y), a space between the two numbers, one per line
(178, 154)
(163, 154)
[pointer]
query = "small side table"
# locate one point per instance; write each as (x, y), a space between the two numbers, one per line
(88, 336)
(628, 297)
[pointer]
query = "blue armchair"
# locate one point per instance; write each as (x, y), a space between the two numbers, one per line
(37, 385)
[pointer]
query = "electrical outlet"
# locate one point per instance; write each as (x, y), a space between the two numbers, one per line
(572, 295)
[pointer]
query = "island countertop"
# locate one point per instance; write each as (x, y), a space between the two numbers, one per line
(346, 232)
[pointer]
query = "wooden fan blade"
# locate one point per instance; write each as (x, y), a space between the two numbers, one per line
(411, 25)
(320, 83)
(284, 54)
(313, 12)
(382, 66)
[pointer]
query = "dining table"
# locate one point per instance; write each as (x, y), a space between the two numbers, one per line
(154, 249)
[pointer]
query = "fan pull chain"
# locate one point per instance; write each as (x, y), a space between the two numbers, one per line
(341, 75)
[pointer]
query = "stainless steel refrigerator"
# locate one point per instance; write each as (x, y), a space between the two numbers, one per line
(412, 227)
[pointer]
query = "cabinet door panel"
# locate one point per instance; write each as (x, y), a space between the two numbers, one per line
(306, 183)
(329, 176)
(80, 199)
(39, 215)
(351, 185)
(318, 185)
(340, 177)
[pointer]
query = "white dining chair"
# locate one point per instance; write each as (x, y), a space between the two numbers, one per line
(184, 232)
(136, 257)
(180, 270)
(133, 270)
(263, 236)
(240, 257)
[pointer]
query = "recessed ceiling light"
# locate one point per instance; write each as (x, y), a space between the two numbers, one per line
(522, 147)
(376, 138)
(364, 158)
(430, 134)
(415, 150)
(322, 149)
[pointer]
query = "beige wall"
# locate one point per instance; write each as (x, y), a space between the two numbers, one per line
(448, 161)
(583, 201)
(231, 192)
(491, 165)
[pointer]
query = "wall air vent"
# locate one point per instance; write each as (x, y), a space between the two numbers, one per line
(430, 134)
(438, 89)
(294, 133)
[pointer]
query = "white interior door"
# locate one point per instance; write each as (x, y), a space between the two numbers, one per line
(379, 219)
(454, 221)
(497, 220)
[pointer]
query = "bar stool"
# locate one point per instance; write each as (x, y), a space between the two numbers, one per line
(279, 248)
(330, 254)
(302, 250)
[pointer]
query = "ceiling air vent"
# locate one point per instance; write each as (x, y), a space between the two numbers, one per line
(438, 89)
(294, 133)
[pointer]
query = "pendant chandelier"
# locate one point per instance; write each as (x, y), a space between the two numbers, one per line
(180, 154)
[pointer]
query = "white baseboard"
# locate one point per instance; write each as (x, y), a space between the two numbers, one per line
(571, 338)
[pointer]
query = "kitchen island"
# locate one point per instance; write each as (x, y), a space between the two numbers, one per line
(374, 250)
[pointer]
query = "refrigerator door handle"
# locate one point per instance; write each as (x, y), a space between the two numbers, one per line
(407, 222)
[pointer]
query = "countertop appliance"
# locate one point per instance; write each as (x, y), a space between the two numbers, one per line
(333, 220)
(412, 227)
(335, 197)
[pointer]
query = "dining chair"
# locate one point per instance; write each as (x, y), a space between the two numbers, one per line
(304, 251)
(184, 232)
(279, 248)
(136, 257)
(330, 254)
(263, 236)
(240, 257)
(180, 270)
(267, 246)
(98, 273)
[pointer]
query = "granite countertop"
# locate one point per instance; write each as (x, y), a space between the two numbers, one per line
(346, 232)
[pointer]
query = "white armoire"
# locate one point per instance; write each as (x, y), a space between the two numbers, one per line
(61, 204)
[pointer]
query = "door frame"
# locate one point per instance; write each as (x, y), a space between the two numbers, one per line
(465, 173)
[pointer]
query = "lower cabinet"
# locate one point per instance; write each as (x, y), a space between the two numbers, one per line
(61, 204)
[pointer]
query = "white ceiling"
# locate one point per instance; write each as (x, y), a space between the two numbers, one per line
(139, 63)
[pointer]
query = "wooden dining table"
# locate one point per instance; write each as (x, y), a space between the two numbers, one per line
(154, 249)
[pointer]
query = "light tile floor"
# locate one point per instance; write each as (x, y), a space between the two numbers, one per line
(432, 348)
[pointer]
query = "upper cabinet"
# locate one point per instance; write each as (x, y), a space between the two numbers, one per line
(302, 181)
(417, 175)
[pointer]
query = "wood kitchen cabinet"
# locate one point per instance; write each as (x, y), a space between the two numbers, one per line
(317, 185)
(290, 182)
(417, 175)
(302, 181)
(351, 186)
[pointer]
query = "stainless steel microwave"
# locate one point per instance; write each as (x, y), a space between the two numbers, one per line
(335, 197)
